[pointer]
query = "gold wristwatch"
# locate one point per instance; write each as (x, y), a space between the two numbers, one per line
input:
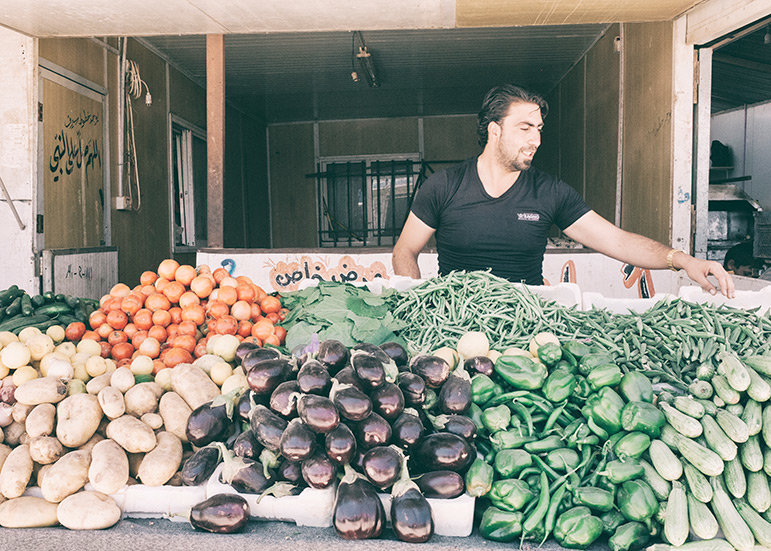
(670, 255)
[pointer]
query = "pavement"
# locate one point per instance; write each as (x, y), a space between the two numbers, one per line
(164, 535)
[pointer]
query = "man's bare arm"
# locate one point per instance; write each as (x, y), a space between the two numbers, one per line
(413, 238)
(593, 231)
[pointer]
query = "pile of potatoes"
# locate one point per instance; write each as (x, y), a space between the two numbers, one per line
(79, 446)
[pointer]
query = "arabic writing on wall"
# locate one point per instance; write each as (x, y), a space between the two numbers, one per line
(287, 276)
(78, 272)
(71, 150)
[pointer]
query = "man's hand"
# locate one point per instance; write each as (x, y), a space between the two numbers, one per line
(698, 270)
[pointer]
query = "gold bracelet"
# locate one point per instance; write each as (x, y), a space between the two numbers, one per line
(670, 255)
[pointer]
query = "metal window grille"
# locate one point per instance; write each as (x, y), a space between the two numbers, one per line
(189, 187)
(365, 202)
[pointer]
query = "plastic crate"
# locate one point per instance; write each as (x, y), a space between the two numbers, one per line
(622, 305)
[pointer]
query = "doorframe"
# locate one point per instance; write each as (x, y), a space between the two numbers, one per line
(57, 74)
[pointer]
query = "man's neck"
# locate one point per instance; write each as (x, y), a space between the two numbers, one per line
(496, 179)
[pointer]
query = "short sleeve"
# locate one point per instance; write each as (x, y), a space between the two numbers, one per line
(427, 201)
(570, 206)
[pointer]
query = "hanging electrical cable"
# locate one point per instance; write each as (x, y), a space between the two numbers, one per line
(133, 87)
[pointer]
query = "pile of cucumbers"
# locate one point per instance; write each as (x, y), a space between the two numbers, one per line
(19, 310)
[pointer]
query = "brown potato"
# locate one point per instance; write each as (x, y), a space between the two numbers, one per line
(13, 433)
(175, 413)
(41, 420)
(88, 511)
(95, 385)
(109, 470)
(160, 464)
(45, 449)
(65, 477)
(112, 402)
(193, 385)
(16, 472)
(20, 412)
(141, 399)
(77, 418)
(28, 512)
(131, 434)
(40, 391)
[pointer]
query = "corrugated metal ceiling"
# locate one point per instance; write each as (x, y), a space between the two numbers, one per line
(303, 76)
(741, 71)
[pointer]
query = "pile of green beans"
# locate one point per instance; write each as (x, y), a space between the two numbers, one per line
(669, 341)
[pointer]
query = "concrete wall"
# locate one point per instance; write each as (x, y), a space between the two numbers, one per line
(18, 158)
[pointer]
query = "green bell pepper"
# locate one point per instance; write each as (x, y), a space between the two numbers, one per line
(582, 390)
(636, 500)
(509, 463)
(499, 525)
(521, 372)
(551, 442)
(508, 439)
(550, 353)
(592, 360)
(632, 444)
(565, 365)
(596, 499)
(643, 417)
(559, 385)
(577, 349)
(606, 406)
(474, 413)
(629, 536)
(611, 521)
(604, 375)
(636, 387)
(482, 388)
(479, 478)
(510, 494)
(577, 528)
(496, 418)
(618, 471)
(562, 459)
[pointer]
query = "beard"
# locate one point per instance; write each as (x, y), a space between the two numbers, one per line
(512, 162)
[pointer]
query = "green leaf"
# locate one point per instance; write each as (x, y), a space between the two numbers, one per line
(364, 327)
(362, 307)
(300, 334)
(339, 331)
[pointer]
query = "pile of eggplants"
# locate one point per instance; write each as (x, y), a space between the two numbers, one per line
(366, 416)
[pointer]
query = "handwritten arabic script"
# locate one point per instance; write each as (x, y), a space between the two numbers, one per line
(82, 120)
(71, 151)
(286, 276)
(78, 272)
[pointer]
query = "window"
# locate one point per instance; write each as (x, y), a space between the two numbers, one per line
(365, 201)
(188, 154)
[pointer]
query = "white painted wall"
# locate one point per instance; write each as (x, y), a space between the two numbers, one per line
(751, 148)
(18, 158)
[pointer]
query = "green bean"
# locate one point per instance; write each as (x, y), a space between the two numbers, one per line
(535, 518)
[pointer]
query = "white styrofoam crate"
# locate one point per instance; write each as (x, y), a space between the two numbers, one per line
(312, 507)
(622, 305)
(745, 300)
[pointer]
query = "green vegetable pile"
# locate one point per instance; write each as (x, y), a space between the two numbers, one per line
(19, 310)
(341, 312)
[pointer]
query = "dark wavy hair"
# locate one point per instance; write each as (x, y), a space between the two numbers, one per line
(496, 105)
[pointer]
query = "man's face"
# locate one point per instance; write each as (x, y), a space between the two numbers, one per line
(520, 136)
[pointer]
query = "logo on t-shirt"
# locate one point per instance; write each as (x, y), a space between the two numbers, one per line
(528, 216)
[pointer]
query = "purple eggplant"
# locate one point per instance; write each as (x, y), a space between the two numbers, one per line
(267, 426)
(347, 376)
(397, 353)
(333, 354)
(257, 355)
(265, 376)
(298, 442)
(318, 412)
(441, 484)
(283, 400)
(456, 424)
(246, 476)
(407, 430)
(318, 471)
(358, 512)
(411, 517)
(479, 364)
(313, 378)
(387, 401)
(289, 471)
(433, 369)
(350, 401)
(340, 444)
(221, 514)
(413, 389)
(244, 406)
(372, 431)
(382, 465)
(243, 349)
(208, 423)
(370, 371)
(199, 467)
(373, 350)
(246, 445)
(442, 451)
(455, 394)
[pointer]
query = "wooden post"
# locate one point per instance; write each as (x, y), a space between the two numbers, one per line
(215, 139)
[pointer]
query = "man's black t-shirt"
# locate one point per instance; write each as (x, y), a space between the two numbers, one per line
(475, 231)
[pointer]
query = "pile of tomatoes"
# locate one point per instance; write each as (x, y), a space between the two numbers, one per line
(172, 312)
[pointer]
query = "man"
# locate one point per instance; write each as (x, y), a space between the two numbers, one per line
(739, 260)
(495, 211)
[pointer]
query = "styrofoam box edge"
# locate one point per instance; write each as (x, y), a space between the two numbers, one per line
(452, 517)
